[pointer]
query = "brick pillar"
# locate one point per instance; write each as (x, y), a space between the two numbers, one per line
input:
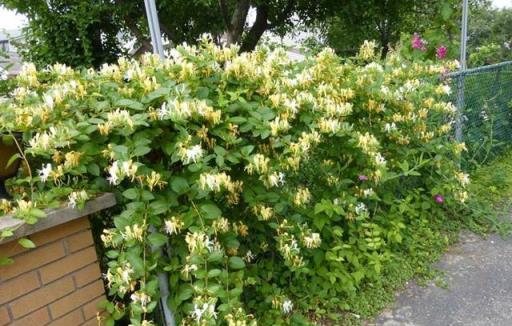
(57, 283)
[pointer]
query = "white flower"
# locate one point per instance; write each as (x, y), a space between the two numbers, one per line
(287, 306)
(447, 90)
(276, 179)
(119, 170)
(142, 298)
(312, 241)
(249, 256)
(463, 178)
(389, 127)
(361, 208)
(170, 227)
(197, 313)
(112, 171)
(163, 111)
(48, 101)
(208, 243)
(193, 154)
(75, 198)
(72, 200)
(379, 159)
(281, 178)
(368, 192)
(44, 173)
(173, 226)
(375, 66)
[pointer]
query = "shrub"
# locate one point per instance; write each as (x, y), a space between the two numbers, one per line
(280, 188)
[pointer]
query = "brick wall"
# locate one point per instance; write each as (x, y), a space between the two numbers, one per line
(57, 283)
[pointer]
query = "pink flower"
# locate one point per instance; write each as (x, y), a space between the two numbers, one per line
(362, 177)
(441, 52)
(439, 199)
(418, 43)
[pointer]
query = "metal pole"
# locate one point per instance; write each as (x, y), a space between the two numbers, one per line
(163, 278)
(460, 80)
(154, 27)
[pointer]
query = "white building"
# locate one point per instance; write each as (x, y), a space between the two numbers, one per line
(10, 61)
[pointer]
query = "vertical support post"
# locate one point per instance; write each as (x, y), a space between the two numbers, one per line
(461, 76)
(163, 278)
(154, 27)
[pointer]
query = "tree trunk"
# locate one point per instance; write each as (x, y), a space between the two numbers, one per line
(257, 30)
(235, 25)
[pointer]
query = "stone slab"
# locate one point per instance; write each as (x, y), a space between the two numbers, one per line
(54, 217)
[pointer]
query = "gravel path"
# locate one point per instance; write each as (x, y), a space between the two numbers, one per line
(479, 278)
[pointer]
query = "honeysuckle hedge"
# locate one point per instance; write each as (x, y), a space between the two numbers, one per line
(276, 188)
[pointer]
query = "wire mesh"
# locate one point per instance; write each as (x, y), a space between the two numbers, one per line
(483, 96)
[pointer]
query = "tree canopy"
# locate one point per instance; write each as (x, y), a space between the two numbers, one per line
(89, 33)
(83, 32)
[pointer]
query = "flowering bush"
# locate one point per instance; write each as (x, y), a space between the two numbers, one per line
(278, 187)
(431, 46)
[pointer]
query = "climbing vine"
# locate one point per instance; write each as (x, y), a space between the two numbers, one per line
(274, 188)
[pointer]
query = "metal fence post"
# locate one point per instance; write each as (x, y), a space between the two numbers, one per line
(163, 278)
(460, 80)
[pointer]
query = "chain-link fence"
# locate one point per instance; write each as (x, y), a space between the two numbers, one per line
(484, 96)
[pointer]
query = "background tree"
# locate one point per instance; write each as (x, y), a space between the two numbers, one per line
(84, 32)
(489, 35)
(386, 20)
(75, 32)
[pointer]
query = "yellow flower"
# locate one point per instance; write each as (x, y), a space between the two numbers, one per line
(367, 50)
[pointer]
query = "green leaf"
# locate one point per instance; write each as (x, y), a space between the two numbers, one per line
(141, 150)
(215, 256)
(135, 258)
(179, 185)
(131, 193)
(236, 263)
(446, 11)
(319, 221)
(93, 169)
(185, 293)
(127, 103)
(13, 159)
(246, 150)
(214, 272)
(238, 120)
(38, 213)
(157, 239)
(6, 261)
(26, 243)
(211, 211)
(159, 206)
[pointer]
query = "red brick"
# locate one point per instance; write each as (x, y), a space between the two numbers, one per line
(61, 231)
(42, 297)
(92, 322)
(4, 316)
(39, 317)
(67, 265)
(87, 274)
(32, 260)
(12, 248)
(90, 309)
(76, 299)
(18, 286)
(73, 318)
(79, 241)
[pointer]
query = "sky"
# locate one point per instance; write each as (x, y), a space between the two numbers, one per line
(10, 20)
